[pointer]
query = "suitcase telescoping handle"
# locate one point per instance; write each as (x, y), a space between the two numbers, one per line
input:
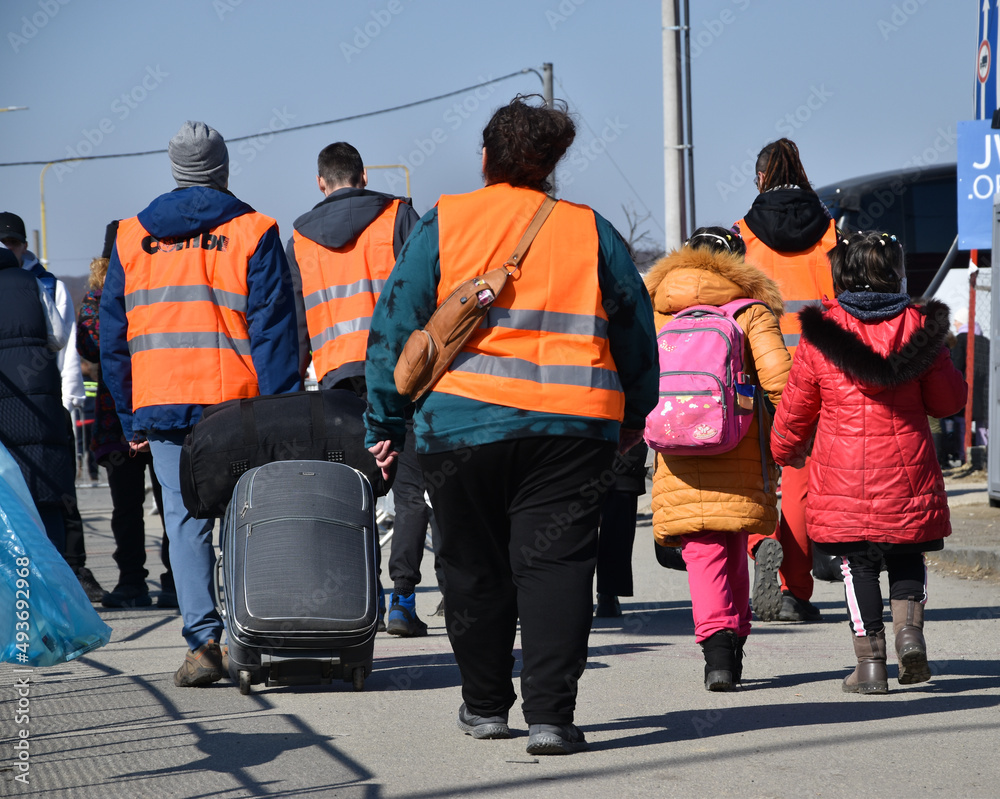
(316, 413)
(217, 588)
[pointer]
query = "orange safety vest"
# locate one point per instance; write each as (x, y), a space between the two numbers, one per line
(544, 345)
(341, 286)
(186, 306)
(803, 277)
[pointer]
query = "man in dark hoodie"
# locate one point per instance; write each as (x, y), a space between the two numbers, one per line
(197, 309)
(788, 234)
(340, 255)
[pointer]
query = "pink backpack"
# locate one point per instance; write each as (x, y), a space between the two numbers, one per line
(706, 399)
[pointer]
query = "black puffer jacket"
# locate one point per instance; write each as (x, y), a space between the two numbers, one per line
(33, 424)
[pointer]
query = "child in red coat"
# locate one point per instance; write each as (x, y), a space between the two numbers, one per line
(870, 369)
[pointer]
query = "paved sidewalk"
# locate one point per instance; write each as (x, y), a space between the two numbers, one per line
(112, 723)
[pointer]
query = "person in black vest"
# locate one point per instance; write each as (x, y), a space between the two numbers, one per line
(71, 380)
(32, 424)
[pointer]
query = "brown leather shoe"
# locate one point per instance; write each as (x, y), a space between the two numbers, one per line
(911, 649)
(870, 676)
(201, 667)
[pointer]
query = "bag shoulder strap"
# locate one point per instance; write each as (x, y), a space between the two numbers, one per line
(529, 235)
(733, 307)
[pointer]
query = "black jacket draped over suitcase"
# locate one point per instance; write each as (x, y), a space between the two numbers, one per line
(238, 435)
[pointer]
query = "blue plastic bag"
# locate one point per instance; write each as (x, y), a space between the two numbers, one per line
(50, 619)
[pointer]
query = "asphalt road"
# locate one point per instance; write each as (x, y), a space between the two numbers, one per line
(112, 723)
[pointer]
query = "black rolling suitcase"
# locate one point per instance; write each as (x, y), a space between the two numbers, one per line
(296, 581)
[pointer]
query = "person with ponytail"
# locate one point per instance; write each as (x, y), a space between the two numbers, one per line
(788, 234)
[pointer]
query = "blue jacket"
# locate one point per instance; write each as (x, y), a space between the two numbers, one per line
(183, 213)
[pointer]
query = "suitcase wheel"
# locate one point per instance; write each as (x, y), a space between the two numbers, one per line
(245, 682)
(359, 679)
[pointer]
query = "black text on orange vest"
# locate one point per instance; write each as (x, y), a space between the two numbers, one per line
(206, 241)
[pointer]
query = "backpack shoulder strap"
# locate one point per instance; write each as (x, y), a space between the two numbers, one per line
(735, 306)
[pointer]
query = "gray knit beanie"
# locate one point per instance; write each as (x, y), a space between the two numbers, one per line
(199, 156)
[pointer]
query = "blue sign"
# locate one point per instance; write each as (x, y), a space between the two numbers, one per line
(987, 85)
(978, 181)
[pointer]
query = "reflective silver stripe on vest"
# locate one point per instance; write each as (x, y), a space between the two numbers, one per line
(340, 329)
(791, 339)
(195, 341)
(794, 306)
(547, 321)
(363, 286)
(561, 374)
(224, 299)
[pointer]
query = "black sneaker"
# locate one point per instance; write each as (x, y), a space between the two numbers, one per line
(127, 597)
(482, 726)
(555, 739)
(766, 599)
(167, 599)
(795, 609)
(90, 585)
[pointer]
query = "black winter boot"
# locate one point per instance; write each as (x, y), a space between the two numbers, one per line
(721, 661)
(738, 674)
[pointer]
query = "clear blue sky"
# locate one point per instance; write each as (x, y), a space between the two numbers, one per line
(861, 85)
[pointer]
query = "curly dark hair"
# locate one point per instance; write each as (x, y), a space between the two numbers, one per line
(524, 142)
(868, 261)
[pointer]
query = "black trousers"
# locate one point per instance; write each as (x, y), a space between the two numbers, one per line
(907, 578)
(75, 551)
(614, 544)
(409, 528)
(518, 526)
(127, 481)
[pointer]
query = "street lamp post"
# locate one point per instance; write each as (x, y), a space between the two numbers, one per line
(394, 166)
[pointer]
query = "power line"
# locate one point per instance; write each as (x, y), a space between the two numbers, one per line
(282, 130)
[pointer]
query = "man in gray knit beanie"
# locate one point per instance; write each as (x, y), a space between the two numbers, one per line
(216, 321)
(199, 156)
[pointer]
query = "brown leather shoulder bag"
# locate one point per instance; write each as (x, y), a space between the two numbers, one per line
(428, 352)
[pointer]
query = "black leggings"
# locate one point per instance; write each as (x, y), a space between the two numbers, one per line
(907, 578)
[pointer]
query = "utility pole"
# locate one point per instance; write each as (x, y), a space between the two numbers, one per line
(673, 145)
(549, 103)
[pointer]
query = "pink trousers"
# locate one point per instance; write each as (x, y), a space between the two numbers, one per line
(719, 578)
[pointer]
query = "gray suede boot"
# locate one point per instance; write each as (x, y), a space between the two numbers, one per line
(870, 676)
(911, 649)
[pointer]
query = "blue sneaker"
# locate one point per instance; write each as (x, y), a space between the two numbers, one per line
(403, 619)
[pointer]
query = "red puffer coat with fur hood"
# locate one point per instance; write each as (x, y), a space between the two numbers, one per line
(865, 390)
(734, 490)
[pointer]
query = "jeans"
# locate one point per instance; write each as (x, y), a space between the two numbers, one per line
(192, 553)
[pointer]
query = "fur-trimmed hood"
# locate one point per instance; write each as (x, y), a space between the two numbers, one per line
(911, 342)
(697, 276)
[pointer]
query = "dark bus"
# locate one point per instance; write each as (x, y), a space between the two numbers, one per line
(919, 205)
